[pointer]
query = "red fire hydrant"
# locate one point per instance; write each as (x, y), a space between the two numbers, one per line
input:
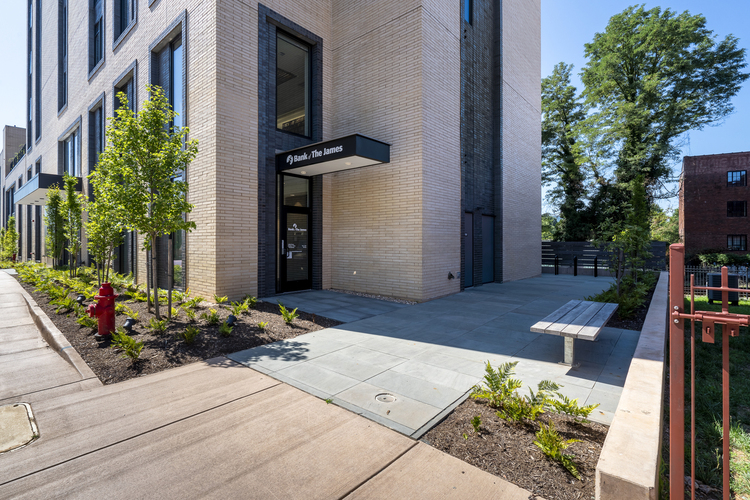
(104, 310)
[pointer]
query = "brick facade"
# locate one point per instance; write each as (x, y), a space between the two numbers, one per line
(704, 193)
(461, 114)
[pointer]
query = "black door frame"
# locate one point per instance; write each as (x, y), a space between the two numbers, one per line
(282, 284)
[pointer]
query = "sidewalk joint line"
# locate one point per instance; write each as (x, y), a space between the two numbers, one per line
(367, 480)
(138, 435)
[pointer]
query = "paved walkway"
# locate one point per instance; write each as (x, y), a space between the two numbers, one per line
(344, 307)
(409, 367)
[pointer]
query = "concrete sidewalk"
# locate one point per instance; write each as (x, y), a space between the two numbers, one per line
(408, 367)
(35, 362)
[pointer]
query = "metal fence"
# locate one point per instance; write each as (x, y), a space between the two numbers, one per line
(578, 257)
(701, 278)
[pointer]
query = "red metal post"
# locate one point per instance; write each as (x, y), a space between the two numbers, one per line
(725, 395)
(676, 373)
(692, 389)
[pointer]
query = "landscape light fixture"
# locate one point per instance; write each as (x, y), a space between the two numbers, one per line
(128, 326)
(231, 319)
(80, 299)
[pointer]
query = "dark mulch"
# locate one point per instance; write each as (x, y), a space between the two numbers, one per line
(164, 351)
(636, 321)
(508, 450)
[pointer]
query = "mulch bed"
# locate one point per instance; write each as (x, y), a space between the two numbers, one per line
(636, 321)
(508, 450)
(163, 351)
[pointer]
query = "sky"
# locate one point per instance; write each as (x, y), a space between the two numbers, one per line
(566, 26)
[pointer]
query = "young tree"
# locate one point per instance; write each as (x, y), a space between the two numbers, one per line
(53, 216)
(10, 239)
(562, 112)
(72, 210)
(145, 157)
(652, 76)
(104, 226)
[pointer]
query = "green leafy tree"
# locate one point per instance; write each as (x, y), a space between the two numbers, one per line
(145, 158)
(665, 225)
(10, 239)
(652, 76)
(55, 221)
(549, 226)
(104, 226)
(72, 209)
(562, 112)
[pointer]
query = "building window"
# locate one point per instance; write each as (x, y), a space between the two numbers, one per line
(96, 49)
(736, 209)
(292, 85)
(124, 16)
(71, 154)
(62, 51)
(468, 10)
(737, 178)
(737, 242)
(96, 135)
(38, 166)
(29, 41)
(128, 88)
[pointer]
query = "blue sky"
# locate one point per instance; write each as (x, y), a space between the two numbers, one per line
(566, 26)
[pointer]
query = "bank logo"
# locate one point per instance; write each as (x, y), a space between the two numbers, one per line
(290, 159)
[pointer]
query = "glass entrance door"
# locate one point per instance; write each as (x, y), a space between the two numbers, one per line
(295, 257)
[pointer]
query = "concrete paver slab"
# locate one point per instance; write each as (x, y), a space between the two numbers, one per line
(428, 392)
(318, 377)
(405, 411)
(415, 476)
(279, 443)
(30, 371)
(16, 427)
(357, 362)
(433, 374)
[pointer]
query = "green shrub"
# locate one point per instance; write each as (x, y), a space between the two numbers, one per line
(250, 301)
(64, 305)
(131, 349)
(225, 330)
(498, 385)
(289, 316)
(515, 409)
(476, 422)
(189, 334)
(194, 302)
(632, 294)
(220, 300)
(158, 326)
(190, 314)
(87, 321)
(211, 317)
(553, 445)
(131, 313)
(238, 308)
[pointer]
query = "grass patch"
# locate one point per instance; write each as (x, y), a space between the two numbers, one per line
(708, 401)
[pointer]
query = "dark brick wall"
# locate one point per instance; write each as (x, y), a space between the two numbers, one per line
(480, 70)
(271, 140)
(703, 201)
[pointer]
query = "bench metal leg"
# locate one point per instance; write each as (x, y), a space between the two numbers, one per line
(570, 353)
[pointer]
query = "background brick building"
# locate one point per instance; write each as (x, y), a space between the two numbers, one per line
(713, 203)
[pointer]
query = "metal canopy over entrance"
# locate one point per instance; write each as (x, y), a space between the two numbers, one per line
(353, 151)
(34, 192)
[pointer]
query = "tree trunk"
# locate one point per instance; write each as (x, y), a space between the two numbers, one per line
(170, 276)
(155, 268)
(148, 280)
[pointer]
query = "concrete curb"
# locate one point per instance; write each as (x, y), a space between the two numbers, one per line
(629, 462)
(55, 338)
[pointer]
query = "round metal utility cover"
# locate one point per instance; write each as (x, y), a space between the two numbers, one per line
(17, 426)
(385, 398)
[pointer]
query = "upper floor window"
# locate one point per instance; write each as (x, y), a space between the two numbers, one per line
(737, 242)
(127, 87)
(737, 178)
(71, 152)
(124, 16)
(292, 85)
(468, 10)
(62, 52)
(96, 49)
(736, 209)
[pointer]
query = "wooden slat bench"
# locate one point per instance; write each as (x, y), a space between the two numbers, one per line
(578, 319)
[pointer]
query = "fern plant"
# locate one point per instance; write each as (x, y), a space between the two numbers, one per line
(238, 308)
(289, 316)
(571, 407)
(515, 409)
(87, 322)
(158, 326)
(131, 349)
(65, 304)
(220, 300)
(225, 330)
(211, 317)
(553, 445)
(189, 334)
(131, 313)
(498, 384)
(190, 314)
(194, 302)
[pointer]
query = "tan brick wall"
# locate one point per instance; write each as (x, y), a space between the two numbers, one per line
(521, 129)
